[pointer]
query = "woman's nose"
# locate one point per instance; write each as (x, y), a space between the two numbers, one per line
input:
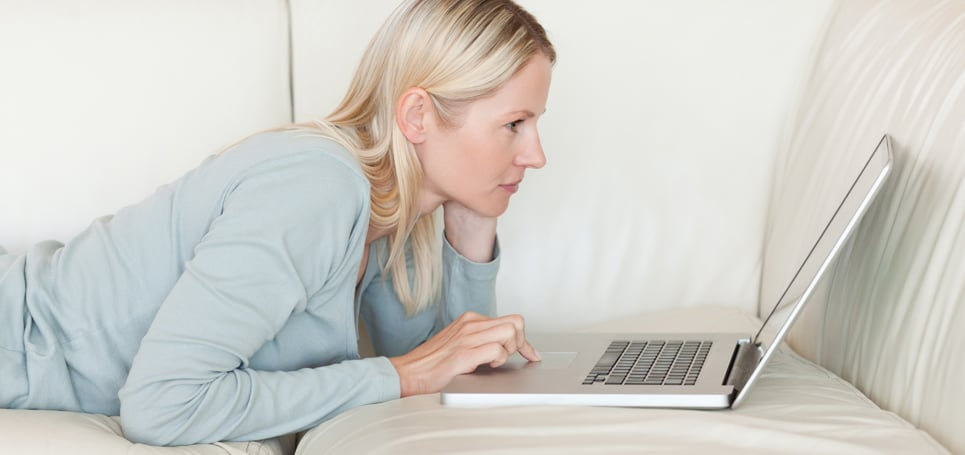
(532, 156)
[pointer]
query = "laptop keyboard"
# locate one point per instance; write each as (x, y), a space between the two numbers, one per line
(650, 363)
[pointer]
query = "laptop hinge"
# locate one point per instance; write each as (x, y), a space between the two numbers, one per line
(747, 355)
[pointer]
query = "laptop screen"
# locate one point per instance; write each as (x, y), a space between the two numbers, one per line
(854, 202)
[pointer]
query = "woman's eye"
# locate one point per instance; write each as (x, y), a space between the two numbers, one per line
(514, 124)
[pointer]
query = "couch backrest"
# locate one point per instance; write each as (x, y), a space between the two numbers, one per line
(661, 130)
(890, 318)
(101, 101)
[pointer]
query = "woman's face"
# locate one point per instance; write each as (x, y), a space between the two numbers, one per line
(480, 162)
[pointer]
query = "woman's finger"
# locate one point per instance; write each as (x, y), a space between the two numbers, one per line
(529, 352)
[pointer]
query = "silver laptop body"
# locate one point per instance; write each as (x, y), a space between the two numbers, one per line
(693, 370)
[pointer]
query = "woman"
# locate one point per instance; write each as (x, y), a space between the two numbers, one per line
(225, 306)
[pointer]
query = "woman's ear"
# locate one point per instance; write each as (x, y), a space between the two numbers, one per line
(411, 114)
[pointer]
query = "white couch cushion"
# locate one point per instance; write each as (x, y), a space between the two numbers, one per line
(54, 432)
(105, 100)
(662, 124)
(894, 304)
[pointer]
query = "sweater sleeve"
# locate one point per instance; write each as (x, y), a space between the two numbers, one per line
(466, 286)
(285, 232)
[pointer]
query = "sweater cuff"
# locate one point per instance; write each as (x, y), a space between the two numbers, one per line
(390, 383)
(475, 271)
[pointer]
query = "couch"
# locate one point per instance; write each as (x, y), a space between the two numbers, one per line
(693, 147)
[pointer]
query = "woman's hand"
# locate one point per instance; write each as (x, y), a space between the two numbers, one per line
(471, 234)
(470, 341)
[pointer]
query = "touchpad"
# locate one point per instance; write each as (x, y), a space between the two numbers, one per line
(550, 361)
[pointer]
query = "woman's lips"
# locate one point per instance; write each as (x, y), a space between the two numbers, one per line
(512, 187)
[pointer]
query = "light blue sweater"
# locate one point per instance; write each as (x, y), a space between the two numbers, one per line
(224, 306)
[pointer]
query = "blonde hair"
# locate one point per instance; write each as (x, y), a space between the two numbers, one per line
(457, 51)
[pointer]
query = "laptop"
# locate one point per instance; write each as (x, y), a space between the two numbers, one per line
(693, 371)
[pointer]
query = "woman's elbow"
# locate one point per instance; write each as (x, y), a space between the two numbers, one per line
(145, 420)
(141, 426)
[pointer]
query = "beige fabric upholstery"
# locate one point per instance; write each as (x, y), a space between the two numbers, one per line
(893, 318)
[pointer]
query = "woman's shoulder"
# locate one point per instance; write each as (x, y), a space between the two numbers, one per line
(294, 145)
(277, 165)
(283, 158)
